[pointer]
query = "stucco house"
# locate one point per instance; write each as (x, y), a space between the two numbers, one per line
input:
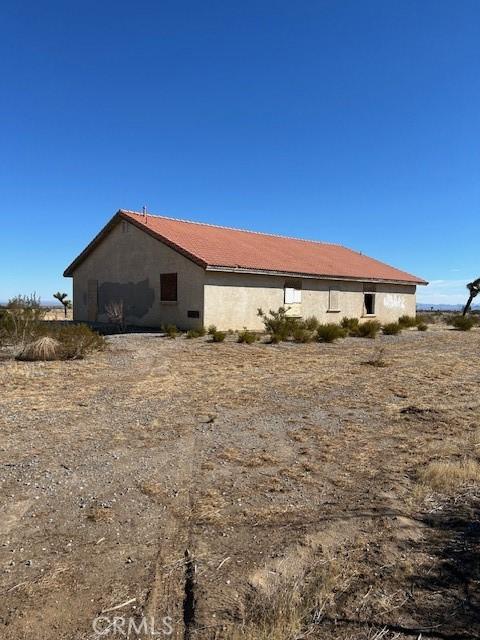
(168, 271)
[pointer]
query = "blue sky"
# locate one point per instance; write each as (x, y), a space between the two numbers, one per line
(349, 121)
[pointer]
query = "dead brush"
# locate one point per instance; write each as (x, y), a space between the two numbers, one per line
(45, 348)
(451, 475)
(291, 599)
(377, 358)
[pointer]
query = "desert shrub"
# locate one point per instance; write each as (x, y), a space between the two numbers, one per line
(116, 314)
(211, 329)
(391, 328)
(303, 335)
(425, 318)
(350, 325)
(247, 337)
(368, 329)
(330, 332)
(311, 323)
(76, 340)
(196, 333)
(218, 336)
(21, 320)
(62, 342)
(279, 323)
(406, 322)
(462, 323)
(422, 326)
(275, 339)
(377, 358)
(171, 331)
(45, 348)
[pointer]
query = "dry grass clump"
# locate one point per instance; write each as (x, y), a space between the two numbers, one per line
(45, 348)
(350, 325)
(378, 358)
(391, 329)
(407, 322)
(247, 337)
(445, 476)
(170, 330)
(462, 323)
(196, 333)
(61, 342)
(368, 329)
(330, 332)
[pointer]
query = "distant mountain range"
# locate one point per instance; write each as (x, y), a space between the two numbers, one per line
(444, 307)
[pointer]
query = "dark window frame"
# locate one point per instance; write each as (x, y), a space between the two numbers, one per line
(168, 287)
(369, 303)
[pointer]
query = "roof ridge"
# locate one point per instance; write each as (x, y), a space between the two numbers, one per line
(220, 226)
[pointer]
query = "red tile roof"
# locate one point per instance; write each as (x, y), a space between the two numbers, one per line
(234, 249)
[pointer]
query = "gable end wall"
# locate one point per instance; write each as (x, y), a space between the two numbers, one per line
(127, 265)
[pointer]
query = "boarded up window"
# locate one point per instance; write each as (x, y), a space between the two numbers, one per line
(293, 291)
(168, 287)
(191, 313)
(333, 299)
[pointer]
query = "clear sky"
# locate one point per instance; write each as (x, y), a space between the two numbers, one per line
(352, 121)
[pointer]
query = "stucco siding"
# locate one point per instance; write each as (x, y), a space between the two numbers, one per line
(127, 265)
(231, 300)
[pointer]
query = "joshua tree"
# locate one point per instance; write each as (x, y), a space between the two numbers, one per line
(474, 289)
(62, 297)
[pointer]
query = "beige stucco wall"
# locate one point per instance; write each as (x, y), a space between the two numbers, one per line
(127, 265)
(231, 300)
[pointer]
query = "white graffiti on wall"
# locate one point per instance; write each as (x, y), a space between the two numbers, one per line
(394, 301)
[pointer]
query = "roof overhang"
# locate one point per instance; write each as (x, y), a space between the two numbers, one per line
(121, 215)
(310, 276)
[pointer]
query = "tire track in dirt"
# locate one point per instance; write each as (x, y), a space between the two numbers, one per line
(172, 591)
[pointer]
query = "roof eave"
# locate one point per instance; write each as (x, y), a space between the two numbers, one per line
(143, 226)
(312, 276)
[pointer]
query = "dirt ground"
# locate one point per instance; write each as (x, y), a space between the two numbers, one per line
(243, 491)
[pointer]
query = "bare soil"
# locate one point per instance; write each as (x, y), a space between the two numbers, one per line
(199, 480)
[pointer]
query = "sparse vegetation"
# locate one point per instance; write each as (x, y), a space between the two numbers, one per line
(311, 323)
(462, 323)
(116, 315)
(378, 358)
(391, 329)
(368, 329)
(195, 333)
(247, 337)
(279, 324)
(303, 335)
(330, 332)
(450, 475)
(171, 331)
(45, 348)
(407, 322)
(350, 325)
(62, 342)
(21, 320)
(422, 326)
(76, 340)
(218, 336)
(22, 327)
(211, 329)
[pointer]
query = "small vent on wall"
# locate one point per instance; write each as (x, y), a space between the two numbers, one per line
(193, 314)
